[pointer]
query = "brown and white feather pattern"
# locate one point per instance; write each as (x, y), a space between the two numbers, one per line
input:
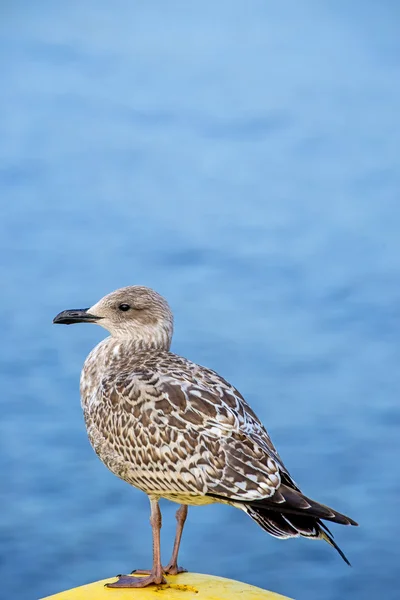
(174, 429)
(179, 431)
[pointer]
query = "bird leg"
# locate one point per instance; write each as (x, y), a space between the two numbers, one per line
(156, 574)
(172, 567)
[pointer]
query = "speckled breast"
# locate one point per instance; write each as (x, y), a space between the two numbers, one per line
(120, 412)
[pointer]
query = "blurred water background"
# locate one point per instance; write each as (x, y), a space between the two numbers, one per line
(242, 159)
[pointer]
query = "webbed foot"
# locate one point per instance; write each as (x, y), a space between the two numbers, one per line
(126, 581)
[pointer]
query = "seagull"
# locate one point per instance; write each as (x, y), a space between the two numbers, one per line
(179, 431)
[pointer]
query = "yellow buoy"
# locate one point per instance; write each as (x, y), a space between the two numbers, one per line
(186, 586)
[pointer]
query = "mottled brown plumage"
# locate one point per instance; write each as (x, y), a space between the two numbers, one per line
(177, 430)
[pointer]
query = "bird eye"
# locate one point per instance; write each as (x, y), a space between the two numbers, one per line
(124, 307)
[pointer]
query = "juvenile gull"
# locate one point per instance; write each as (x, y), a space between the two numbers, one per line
(179, 431)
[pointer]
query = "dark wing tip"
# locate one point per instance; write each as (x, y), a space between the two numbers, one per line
(329, 538)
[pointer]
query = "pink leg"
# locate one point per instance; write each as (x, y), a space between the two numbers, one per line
(156, 574)
(172, 567)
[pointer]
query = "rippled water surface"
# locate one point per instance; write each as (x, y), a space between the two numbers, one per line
(242, 159)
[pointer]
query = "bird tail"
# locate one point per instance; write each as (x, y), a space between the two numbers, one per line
(289, 525)
(288, 513)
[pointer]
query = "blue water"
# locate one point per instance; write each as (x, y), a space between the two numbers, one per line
(243, 160)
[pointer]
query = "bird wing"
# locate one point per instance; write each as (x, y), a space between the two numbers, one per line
(241, 462)
(237, 454)
(196, 432)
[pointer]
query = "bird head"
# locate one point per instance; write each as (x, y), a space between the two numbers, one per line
(134, 312)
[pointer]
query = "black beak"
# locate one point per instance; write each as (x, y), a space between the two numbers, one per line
(75, 315)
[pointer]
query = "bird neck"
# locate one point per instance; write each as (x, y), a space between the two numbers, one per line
(147, 337)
